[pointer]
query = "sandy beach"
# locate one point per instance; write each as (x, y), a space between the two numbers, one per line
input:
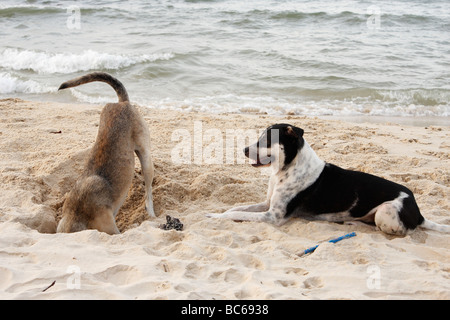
(42, 150)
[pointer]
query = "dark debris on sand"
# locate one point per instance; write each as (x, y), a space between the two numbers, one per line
(172, 223)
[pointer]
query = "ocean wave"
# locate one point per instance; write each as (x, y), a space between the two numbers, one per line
(347, 17)
(423, 97)
(26, 10)
(358, 101)
(296, 16)
(48, 63)
(91, 99)
(416, 19)
(10, 84)
(14, 9)
(230, 103)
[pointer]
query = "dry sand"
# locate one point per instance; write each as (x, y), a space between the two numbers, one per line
(42, 150)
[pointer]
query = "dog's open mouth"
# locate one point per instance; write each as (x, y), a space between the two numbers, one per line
(261, 162)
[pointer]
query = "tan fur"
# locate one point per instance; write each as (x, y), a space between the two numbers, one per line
(102, 188)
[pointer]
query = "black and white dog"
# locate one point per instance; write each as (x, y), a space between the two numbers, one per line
(302, 185)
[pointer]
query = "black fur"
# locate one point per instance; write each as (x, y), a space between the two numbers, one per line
(288, 136)
(337, 190)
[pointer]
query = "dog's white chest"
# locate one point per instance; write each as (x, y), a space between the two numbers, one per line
(288, 183)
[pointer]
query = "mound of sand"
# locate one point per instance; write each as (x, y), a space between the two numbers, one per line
(42, 150)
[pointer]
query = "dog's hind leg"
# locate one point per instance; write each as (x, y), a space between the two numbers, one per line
(148, 173)
(148, 170)
(388, 221)
(387, 216)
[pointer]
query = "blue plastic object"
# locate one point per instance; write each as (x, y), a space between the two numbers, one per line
(332, 241)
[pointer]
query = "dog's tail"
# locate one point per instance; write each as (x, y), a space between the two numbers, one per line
(427, 224)
(99, 76)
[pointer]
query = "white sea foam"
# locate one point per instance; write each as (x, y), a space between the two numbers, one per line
(278, 106)
(90, 99)
(48, 63)
(230, 103)
(11, 84)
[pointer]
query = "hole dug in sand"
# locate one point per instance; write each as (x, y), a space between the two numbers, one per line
(39, 194)
(177, 191)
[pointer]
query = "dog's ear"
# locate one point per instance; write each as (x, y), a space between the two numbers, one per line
(294, 132)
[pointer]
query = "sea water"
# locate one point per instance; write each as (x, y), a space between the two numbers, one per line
(321, 57)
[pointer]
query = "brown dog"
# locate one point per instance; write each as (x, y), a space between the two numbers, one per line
(102, 188)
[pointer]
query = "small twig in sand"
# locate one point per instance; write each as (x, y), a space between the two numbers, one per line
(53, 283)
